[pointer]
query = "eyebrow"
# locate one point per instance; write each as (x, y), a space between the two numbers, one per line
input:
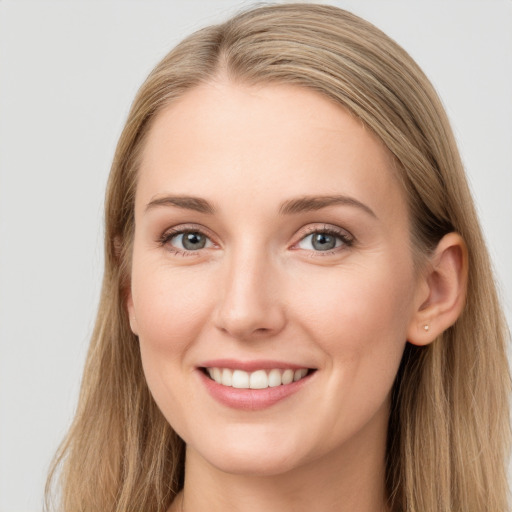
(290, 207)
(186, 202)
(313, 203)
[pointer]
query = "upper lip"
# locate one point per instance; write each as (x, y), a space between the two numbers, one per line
(250, 366)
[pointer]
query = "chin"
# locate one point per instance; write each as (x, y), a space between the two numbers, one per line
(250, 459)
(262, 465)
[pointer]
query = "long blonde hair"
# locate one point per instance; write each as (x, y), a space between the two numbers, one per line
(448, 436)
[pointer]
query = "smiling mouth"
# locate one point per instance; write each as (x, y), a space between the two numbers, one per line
(259, 379)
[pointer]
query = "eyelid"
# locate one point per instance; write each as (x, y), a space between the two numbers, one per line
(347, 238)
(180, 229)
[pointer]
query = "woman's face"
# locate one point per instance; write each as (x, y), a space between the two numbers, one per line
(271, 241)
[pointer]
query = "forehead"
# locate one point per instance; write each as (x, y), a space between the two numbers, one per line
(243, 142)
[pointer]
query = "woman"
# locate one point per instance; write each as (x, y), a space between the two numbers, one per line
(298, 310)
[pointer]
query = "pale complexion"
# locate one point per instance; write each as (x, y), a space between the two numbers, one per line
(298, 251)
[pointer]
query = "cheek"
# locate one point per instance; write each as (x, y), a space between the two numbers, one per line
(359, 318)
(171, 309)
(363, 303)
(360, 324)
(170, 306)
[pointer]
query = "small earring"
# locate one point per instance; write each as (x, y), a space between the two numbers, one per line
(426, 327)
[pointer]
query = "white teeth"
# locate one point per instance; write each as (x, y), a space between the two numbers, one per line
(274, 378)
(299, 374)
(287, 377)
(227, 377)
(240, 379)
(217, 375)
(296, 375)
(260, 379)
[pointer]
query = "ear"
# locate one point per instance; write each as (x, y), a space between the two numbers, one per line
(441, 291)
(131, 312)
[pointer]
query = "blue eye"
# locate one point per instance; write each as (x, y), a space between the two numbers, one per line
(323, 241)
(189, 241)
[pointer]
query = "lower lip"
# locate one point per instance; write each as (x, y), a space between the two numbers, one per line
(251, 399)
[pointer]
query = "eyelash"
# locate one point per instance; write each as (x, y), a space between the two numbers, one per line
(346, 239)
(168, 235)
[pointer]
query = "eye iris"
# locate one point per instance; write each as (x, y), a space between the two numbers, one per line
(323, 241)
(193, 241)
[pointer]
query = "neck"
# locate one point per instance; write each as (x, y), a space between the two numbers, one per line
(351, 477)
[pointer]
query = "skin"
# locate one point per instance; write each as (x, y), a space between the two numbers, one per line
(259, 289)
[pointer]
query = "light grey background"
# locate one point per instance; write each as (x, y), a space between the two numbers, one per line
(68, 72)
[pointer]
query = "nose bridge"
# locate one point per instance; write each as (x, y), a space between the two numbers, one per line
(250, 303)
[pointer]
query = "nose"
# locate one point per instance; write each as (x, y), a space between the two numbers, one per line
(251, 302)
